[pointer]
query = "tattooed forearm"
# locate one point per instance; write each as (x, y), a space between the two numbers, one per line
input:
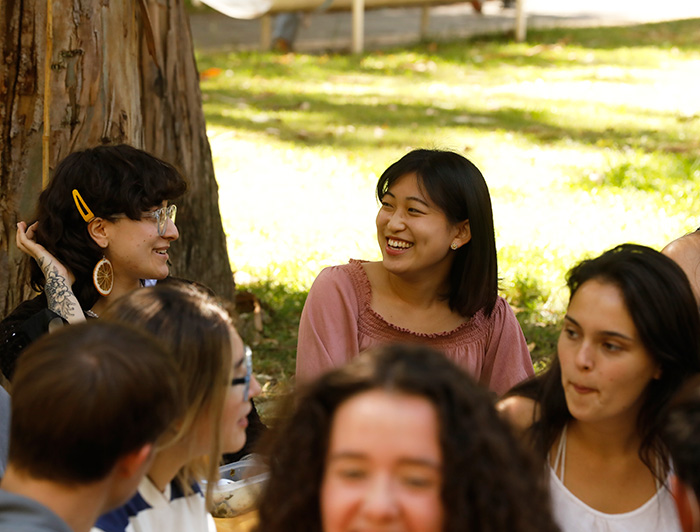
(59, 294)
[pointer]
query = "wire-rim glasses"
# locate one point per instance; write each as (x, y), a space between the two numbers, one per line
(162, 216)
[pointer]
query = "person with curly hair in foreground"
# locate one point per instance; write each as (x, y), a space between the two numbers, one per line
(403, 439)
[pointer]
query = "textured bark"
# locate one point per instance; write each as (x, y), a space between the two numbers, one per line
(121, 71)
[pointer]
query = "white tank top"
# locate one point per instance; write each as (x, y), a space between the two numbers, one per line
(658, 514)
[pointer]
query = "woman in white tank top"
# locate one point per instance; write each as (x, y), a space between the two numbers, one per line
(630, 337)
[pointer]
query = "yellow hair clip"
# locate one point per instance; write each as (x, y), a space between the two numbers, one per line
(83, 209)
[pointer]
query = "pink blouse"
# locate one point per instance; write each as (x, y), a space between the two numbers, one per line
(338, 322)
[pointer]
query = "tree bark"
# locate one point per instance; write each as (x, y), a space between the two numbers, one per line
(120, 71)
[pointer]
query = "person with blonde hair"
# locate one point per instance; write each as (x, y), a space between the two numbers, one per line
(216, 384)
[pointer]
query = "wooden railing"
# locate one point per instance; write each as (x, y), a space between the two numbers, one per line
(358, 8)
(247, 9)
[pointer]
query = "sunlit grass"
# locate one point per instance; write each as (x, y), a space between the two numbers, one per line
(587, 139)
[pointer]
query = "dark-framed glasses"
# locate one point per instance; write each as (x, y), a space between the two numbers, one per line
(237, 381)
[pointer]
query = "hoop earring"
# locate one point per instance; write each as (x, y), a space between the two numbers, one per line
(103, 276)
(454, 246)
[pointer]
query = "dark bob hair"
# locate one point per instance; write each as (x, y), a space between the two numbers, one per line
(111, 180)
(490, 482)
(457, 187)
(658, 297)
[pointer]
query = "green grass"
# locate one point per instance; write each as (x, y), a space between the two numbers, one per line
(587, 138)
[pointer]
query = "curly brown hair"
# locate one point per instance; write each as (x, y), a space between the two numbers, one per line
(111, 180)
(490, 482)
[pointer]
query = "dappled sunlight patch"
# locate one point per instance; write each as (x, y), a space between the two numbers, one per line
(298, 208)
(583, 146)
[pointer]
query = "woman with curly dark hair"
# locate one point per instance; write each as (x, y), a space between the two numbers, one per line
(400, 439)
(103, 228)
(630, 338)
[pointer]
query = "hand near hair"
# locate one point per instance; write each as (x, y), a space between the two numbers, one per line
(59, 280)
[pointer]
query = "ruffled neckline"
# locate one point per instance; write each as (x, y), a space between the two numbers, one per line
(471, 327)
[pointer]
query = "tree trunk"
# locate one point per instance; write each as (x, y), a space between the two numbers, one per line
(120, 71)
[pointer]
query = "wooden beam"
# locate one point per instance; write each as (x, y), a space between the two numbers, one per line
(266, 32)
(358, 26)
(520, 21)
(424, 21)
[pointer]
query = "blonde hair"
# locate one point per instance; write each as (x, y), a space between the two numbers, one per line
(198, 335)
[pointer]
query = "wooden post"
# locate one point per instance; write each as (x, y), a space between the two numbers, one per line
(424, 21)
(266, 32)
(520, 21)
(46, 138)
(358, 26)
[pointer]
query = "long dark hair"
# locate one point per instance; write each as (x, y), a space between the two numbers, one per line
(111, 180)
(457, 187)
(658, 297)
(682, 433)
(490, 482)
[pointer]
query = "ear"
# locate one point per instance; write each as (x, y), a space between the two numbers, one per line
(97, 229)
(686, 504)
(464, 233)
(135, 462)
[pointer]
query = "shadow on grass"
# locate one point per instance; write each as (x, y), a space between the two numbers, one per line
(316, 119)
(275, 346)
(488, 52)
(680, 34)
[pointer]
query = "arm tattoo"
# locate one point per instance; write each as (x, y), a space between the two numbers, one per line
(59, 295)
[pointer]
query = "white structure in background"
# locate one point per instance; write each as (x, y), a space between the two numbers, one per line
(249, 9)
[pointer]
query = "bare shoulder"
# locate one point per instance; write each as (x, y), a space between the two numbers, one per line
(685, 251)
(519, 411)
(684, 248)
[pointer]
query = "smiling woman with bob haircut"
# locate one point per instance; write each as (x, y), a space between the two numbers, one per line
(437, 282)
(630, 338)
(400, 439)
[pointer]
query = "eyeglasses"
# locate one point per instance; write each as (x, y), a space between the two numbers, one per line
(249, 371)
(162, 216)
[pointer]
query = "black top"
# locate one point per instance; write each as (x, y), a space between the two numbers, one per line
(26, 323)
